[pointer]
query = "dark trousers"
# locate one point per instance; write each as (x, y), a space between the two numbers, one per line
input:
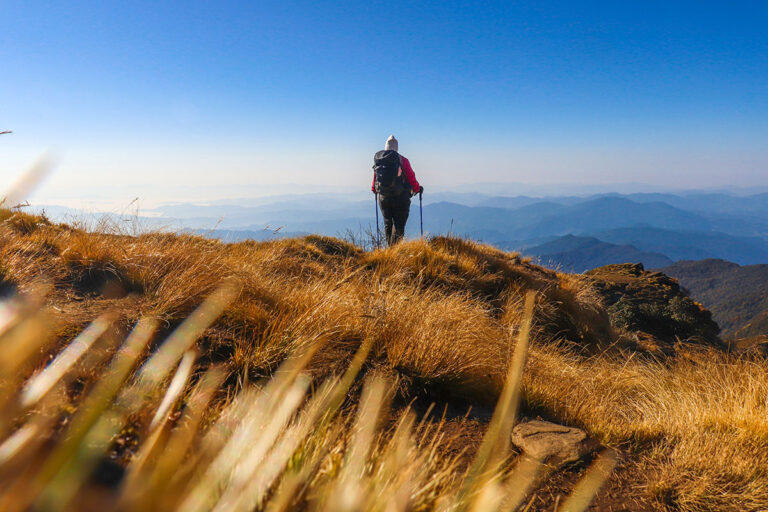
(395, 210)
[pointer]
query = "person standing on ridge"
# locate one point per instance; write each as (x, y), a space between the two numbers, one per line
(394, 182)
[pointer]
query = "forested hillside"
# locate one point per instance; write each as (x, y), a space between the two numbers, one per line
(736, 295)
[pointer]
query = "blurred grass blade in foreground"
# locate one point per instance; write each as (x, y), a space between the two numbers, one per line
(495, 445)
(29, 180)
(39, 385)
(595, 476)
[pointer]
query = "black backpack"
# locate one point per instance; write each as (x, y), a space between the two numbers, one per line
(386, 166)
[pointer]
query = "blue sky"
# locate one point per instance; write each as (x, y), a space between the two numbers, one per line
(182, 99)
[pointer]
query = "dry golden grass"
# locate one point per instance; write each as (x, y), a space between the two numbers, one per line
(698, 425)
(440, 315)
(272, 446)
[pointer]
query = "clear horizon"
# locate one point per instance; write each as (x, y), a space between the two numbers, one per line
(163, 102)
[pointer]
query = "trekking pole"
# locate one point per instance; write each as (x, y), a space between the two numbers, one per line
(376, 206)
(421, 216)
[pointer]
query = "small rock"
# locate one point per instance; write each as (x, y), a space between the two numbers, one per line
(550, 442)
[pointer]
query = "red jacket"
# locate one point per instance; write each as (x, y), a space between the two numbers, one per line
(405, 169)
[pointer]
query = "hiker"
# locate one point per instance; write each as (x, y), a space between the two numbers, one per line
(395, 183)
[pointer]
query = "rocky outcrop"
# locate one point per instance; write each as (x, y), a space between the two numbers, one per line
(735, 294)
(653, 307)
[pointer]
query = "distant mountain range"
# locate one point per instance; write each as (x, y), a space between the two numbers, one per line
(568, 231)
(571, 253)
(653, 247)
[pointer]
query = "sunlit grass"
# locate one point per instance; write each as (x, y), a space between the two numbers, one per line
(267, 447)
(277, 375)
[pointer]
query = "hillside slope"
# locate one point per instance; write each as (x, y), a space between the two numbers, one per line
(652, 305)
(608, 213)
(441, 317)
(691, 245)
(571, 253)
(736, 295)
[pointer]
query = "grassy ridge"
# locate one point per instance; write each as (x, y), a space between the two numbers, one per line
(438, 317)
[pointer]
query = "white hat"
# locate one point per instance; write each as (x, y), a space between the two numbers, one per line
(391, 143)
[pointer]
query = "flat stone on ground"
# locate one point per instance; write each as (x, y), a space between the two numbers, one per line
(550, 442)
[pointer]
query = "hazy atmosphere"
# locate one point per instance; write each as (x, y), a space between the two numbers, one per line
(237, 99)
(438, 256)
